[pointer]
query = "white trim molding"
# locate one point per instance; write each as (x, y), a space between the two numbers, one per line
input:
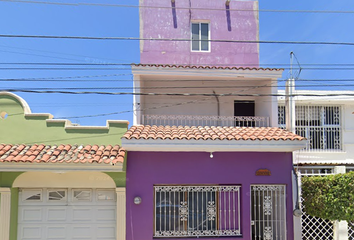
(121, 210)
(234, 73)
(60, 167)
(192, 145)
(5, 213)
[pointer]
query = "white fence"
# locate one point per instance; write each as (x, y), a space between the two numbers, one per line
(195, 120)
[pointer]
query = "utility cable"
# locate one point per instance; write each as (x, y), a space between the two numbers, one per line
(180, 8)
(175, 39)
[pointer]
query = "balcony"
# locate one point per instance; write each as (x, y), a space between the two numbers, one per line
(195, 120)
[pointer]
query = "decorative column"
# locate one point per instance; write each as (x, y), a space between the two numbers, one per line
(5, 213)
(340, 228)
(121, 213)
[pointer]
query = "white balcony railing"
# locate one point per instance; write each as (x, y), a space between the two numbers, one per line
(195, 120)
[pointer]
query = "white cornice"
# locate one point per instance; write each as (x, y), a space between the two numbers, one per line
(69, 125)
(326, 96)
(160, 145)
(234, 73)
(21, 167)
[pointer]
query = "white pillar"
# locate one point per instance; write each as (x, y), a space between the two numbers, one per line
(120, 213)
(136, 101)
(340, 228)
(297, 192)
(5, 213)
(290, 105)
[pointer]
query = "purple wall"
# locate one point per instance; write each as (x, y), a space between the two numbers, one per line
(175, 24)
(145, 169)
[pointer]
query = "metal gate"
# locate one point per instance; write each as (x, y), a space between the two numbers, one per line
(268, 209)
(314, 227)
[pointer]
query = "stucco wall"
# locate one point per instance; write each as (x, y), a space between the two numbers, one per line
(145, 169)
(173, 20)
(19, 128)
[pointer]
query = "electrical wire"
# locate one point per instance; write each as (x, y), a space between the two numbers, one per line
(176, 39)
(171, 64)
(73, 79)
(181, 8)
(179, 94)
(171, 87)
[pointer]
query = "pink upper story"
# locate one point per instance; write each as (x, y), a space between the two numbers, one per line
(168, 20)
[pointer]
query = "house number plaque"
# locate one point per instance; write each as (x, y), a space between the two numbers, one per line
(263, 172)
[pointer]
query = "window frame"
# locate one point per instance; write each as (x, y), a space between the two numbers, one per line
(200, 22)
(220, 206)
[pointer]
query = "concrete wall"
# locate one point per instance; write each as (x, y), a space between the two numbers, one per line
(145, 169)
(205, 105)
(167, 20)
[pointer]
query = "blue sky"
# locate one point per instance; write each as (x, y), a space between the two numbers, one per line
(47, 19)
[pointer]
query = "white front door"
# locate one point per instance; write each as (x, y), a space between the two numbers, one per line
(67, 213)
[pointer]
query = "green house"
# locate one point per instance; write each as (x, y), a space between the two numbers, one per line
(59, 180)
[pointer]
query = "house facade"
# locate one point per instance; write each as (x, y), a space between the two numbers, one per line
(327, 122)
(206, 156)
(59, 180)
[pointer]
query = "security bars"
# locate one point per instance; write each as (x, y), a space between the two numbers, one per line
(321, 125)
(268, 212)
(197, 211)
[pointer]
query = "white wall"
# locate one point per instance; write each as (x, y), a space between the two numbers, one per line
(205, 105)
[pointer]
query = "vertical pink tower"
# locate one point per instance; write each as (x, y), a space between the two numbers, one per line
(199, 20)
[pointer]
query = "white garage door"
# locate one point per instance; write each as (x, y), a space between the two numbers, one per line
(67, 214)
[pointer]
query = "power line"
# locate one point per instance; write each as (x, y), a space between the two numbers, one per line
(172, 87)
(179, 94)
(59, 68)
(130, 64)
(181, 8)
(67, 77)
(73, 79)
(175, 39)
(119, 68)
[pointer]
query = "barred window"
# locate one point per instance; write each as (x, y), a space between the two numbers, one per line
(197, 211)
(321, 125)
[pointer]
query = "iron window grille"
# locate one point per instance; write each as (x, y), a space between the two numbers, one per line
(197, 211)
(321, 125)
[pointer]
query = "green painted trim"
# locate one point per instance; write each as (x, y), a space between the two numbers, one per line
(118, 177)
(8, 178)
(14, 214)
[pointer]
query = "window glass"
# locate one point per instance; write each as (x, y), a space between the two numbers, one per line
(195, 36)
(204, 36)
(58, 195)
(32, 195)
(82, 195)
(197, 211)
(104, 195)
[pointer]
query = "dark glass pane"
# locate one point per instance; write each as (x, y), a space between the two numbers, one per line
(167, 206)
(204, 36)
(195, 37)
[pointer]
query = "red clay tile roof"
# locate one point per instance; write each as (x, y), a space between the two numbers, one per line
(62, 153)
(212, 133)
(207, 67)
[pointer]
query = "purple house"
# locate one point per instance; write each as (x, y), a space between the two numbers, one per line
(205, 156)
